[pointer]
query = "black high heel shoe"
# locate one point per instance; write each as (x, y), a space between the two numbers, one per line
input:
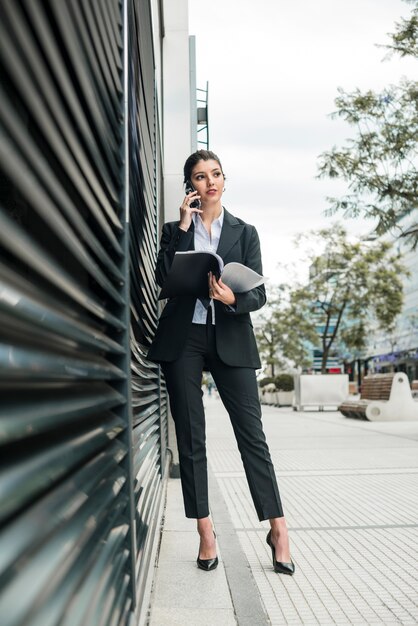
(279, 567)
(207, 564)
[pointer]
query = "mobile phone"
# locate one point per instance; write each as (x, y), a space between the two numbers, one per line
(196, 204)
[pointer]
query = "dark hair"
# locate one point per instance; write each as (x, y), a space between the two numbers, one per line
(199, 155)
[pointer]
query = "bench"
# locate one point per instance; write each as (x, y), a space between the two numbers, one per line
(383, 397)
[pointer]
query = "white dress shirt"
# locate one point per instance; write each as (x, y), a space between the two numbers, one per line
(206, 243)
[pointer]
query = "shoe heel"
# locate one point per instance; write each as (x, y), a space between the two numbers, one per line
(279, 568)
(207, 565)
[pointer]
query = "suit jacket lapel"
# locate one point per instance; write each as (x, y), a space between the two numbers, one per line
(230, 233)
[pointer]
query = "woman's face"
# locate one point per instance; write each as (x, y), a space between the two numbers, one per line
(208, 180)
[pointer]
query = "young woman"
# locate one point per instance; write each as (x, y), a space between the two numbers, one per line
(193, 335)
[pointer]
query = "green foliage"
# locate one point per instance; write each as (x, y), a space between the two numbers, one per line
(268, 380)
(405, 37)
(351, 285)
(380, 162)
(284, 382)
(284, 331)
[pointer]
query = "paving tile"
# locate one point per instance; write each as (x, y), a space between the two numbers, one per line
(178, 546)
(350, 492)
(174, 517)
(350, 458)
(192, 617)
(177, 521)
(331, 501)
(187, 587)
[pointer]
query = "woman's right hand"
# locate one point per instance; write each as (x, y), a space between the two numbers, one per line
(186, 212)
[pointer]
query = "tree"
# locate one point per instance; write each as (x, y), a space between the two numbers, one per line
(405, 37)
(380, 162)
(285, 332)
(351, 286)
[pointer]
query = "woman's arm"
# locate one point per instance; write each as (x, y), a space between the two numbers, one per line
(176, 237)
(256, 298)
(173, 239)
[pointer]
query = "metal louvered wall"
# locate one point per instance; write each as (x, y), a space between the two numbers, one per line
(82, 412)
(148, 402)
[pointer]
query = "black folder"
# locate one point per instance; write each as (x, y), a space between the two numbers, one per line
(188, 275)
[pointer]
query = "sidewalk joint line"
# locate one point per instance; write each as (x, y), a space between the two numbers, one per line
(326, 528)
(245, 595)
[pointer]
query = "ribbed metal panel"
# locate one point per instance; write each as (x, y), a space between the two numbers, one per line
(82, 425)
(149, 413)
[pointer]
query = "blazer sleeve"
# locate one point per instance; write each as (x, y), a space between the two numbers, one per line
(256, 298)
(173, 239)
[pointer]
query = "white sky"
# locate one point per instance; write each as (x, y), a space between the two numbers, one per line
(273, 68)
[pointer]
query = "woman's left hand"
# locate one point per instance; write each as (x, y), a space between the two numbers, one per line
(219, 291)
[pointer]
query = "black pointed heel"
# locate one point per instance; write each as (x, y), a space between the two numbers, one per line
(279, 566)
(207, 564)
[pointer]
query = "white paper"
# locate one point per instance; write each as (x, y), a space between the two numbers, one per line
(240, 278)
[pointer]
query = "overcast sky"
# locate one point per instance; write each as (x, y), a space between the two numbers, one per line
(273, 68)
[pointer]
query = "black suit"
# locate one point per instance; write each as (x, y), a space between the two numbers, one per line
(228, 349)
(234, 333)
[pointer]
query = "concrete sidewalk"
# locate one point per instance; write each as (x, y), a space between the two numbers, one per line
(350, 494)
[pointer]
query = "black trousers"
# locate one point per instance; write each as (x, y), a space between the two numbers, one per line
(237, 388)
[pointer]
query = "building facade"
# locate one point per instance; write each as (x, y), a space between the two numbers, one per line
(398, 351)
(84, 170)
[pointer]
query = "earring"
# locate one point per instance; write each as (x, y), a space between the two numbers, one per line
(224, 189)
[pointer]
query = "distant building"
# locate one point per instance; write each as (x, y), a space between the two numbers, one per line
(334, 363)
(398, 352)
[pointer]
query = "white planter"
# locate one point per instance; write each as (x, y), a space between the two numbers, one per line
(320, 390)
(270, 397)
(285, 398)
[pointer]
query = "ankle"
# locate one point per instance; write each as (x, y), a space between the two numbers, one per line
(278, 524)
(204, 526)
(278, 528)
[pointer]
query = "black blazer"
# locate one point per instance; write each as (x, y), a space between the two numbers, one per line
(235, 341)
